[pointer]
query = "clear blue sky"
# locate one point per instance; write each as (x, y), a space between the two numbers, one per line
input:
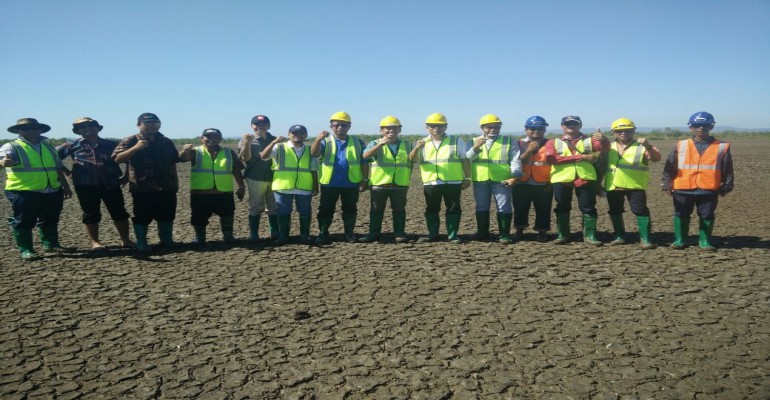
(200, 64)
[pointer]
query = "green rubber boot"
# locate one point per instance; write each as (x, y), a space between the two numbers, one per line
(681, 230)
(284, 226)
(620, 229)
(254, 227)
(23, 239)
(453, 225)
(200, 235)
(49, 235)
(140, 231)
(645, 227)
(166, 233)
(705, 228)
(274, 231)
(562, 228)
(226, 223)
(304, 229)
(375, 227)
(399, 227)
(432, 220)
(482, 226)
(589, 230)
(349, 224)
(504, 225)
(323, 231)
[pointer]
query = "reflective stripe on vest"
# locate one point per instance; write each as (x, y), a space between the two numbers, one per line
(212, 174)
(290, 172)
(696, 171)
(352, 154)
(537, 168)
(561, 173)
(443, 163)
(35, 170)
(493, 164)
(628, 171)
(387, 169)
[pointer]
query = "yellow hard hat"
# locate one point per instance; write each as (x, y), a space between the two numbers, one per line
(390, 121)
(340, 116)
(623, 124)
(436, 118)
(490, 119)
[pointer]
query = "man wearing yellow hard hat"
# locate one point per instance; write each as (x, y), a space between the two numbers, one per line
(344, 173)
(391, 173)
(445, 171)
(627, 175)
(493, 161)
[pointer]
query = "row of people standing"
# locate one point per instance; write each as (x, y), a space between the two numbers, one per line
(517, 174)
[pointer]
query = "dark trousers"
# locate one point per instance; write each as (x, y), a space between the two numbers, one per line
(329, 197)
(33, 208)
(586, 194)
(203, 206)
(707, 205)
(539, 197)
(159, 206)
(91, 197)
(637, 199)
(449, 193)
(397, 198)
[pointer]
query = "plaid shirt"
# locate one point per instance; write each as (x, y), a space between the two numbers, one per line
(151, 169)
(92, 165)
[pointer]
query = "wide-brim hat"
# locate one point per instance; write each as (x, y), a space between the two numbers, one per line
(28, 123)
(85, 121)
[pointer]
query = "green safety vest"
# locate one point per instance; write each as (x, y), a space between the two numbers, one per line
(352, 154)
(561, 173)
(443, 163)
(212, 174)
(628, 171)
(493, 164)
(387, 169)
(36, 170)
(289, 171)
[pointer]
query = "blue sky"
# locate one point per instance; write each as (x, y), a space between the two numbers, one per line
(200, 64)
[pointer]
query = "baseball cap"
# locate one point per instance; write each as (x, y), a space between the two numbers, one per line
(147, 117)
(260, 119)
(571, 118)
(211, 131)
(298, 129)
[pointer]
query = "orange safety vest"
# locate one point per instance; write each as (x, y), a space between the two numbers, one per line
(696, 171)
(537, 167)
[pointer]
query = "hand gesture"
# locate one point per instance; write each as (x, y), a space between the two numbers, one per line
(324, 134)
(248, 138)
(188, 147)
(142, 144)
(598, 135)
(533, 145)
(6, 161)
(419, 144)
(280, 139)
(643, 141)
(479, 141)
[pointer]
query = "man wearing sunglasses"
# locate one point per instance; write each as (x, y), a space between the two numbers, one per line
(697, 172)
(445, 171)
(573, 159)
(344, 173)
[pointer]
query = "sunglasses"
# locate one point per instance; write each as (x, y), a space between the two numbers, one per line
(537, 129)
(340, 125)
(700, 125)
(571, 123)
(433, 126)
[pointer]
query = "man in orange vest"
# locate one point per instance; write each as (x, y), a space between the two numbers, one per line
(534, 188)
(697, 172)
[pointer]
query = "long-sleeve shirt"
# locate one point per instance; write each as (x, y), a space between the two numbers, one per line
(555, 158)
(726, 168)
(513, 155)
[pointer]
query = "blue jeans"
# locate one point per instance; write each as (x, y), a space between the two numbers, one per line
(482, 191)
(284, 203)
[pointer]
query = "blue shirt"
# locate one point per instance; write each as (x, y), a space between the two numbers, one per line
(341, 167)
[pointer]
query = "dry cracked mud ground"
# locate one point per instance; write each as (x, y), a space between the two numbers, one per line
(479, 320)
